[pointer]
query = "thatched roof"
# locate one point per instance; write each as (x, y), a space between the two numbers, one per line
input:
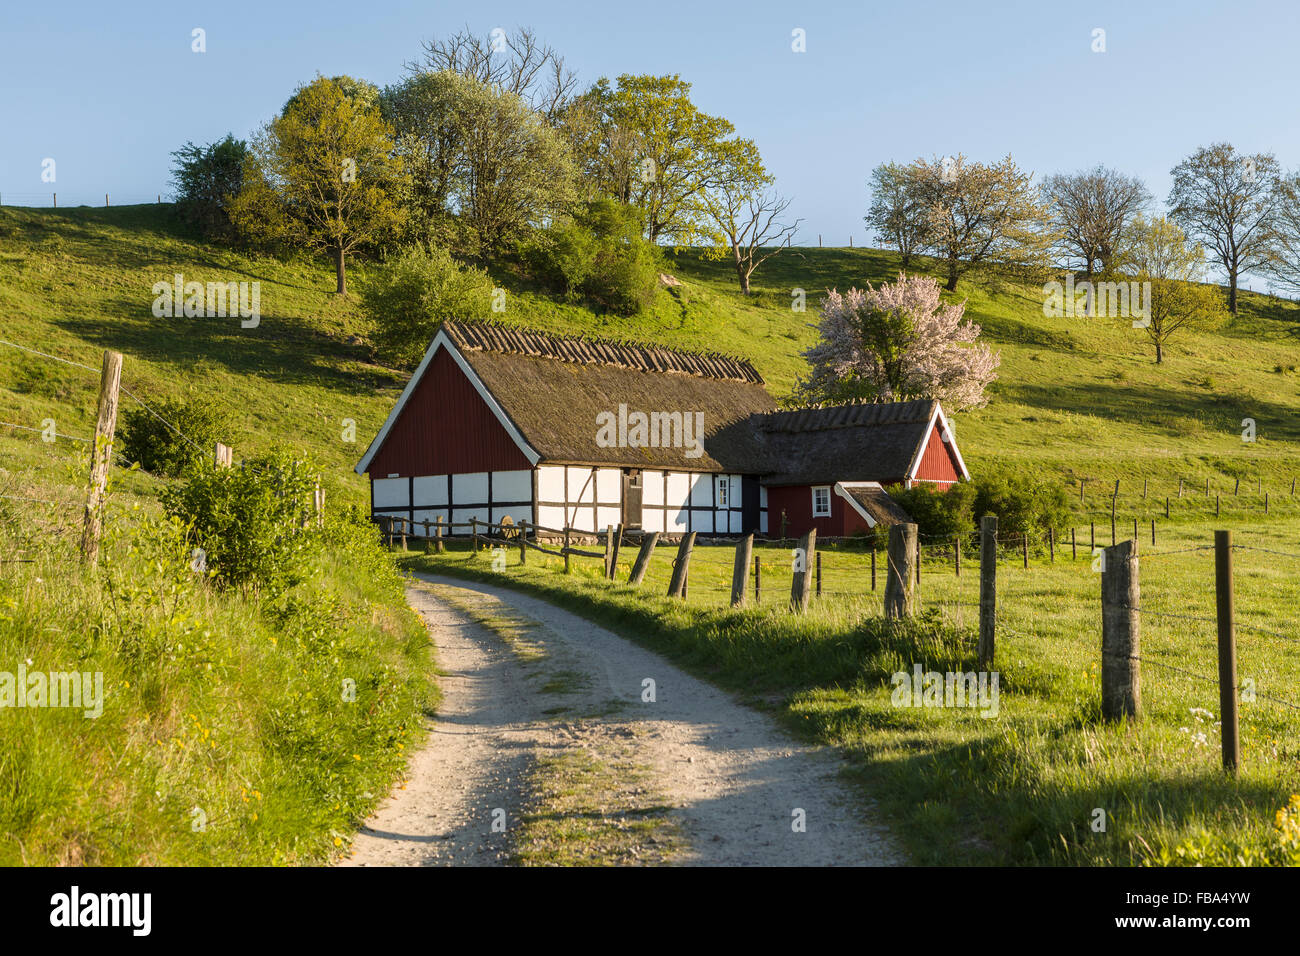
(553, 389)
(855, 442)
(872, 499)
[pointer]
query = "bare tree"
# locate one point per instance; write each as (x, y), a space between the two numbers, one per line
(1228, 202)
(1284, 270)
(749, 216)
(1090, 210)
(897, 214)
(517, 63)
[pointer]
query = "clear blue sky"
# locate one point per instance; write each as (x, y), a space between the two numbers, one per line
(108, 90)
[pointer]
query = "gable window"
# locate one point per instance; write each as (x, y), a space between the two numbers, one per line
(821, 501)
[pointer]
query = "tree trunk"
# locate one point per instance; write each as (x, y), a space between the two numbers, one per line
(340, 270)
(1232, 291)
(1159, 354)
(951, 285)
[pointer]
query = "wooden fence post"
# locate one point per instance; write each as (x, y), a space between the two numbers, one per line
(758, 580)
(222, 455)
(988, 588)
(1121, 685)
(1144, 487)
(1112, 519)
(1135, 527)
(956, 555)
(1166, 507)
(101, 455)
(1051, 543)
(1074, 547)
(1153, 532)
(801, 580)
(1092, 536)
(613, 549)
(1266, 502)
(899, 576)
(566, 549)
(642, 562)
(473, 524)
(318, 504)
(609, 550)
(523, 542)
(1227, 652)
(740, 570)
(1216, 505)
(1236, 487)
(819, 574)
(1024, 548)
(677, 586)
(873, 562)
(1082, 482)
(437, 544)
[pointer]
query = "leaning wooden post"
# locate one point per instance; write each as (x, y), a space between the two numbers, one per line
(566, 549)
(101, 455)
(740, 571)
(642, 562)
(988, 588)
(801, 581)
(681, 563)
(613, 549)
(1121, 685)
(899, 576)
(1227, 651)
(222, 455)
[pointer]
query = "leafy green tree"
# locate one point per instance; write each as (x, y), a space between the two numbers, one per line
(897, 214)
(206, 180)
(599, 257)
(414, 292)
(323, 174)
(1158, 253)
(643, 142)
(423, 111)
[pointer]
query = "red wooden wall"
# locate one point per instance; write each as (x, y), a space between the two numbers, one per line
(938, 461)
(446, 429)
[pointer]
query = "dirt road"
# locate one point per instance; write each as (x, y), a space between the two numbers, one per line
(556, 734)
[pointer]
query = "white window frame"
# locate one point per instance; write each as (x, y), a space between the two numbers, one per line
(825, 489)
(724, 491)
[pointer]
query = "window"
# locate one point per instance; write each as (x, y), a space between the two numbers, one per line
(724, 486)
(822, 501)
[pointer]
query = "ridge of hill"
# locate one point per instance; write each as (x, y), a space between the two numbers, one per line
(1079, 397)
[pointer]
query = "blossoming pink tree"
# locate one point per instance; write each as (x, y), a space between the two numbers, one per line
(895, 343)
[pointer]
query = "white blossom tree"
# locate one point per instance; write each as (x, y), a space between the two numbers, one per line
(896, 343)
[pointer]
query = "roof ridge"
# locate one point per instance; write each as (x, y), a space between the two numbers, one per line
(582, 349)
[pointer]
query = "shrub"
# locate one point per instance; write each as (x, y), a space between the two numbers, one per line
(599, 258)
(159, 447)
(1023, 501)
(414, 292)
(943, 513)
(248, 521)
(206, 179)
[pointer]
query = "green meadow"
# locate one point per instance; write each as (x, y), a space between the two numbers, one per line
(1075, 398)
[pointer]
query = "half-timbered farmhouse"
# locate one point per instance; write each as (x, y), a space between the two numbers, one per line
(500, 423)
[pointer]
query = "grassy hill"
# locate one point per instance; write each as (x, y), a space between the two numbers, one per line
(1081, 397)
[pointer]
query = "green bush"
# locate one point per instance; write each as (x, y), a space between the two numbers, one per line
(414, 292)
(1022, 501)
(939, 513)
(599, 258)
(156, 442)
(206, 178)
(248, 521)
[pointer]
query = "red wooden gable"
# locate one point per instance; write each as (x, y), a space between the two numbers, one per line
(446, 428)
(939, 460)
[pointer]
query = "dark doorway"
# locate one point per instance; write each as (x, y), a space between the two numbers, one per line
(632, 498)
(749, 504)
